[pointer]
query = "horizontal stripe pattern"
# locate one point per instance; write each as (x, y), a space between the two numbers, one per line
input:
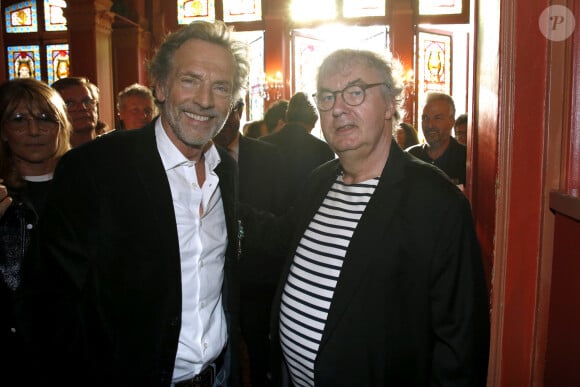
(314, 273)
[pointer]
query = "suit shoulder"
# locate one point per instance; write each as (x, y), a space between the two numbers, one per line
(415, 150)
(271, 138)
(424, 178)
(259, 144)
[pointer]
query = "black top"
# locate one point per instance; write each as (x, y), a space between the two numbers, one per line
(16, 228)
(301, 153)
(452, 161)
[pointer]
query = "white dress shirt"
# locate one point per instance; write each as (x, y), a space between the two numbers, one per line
(202, 246)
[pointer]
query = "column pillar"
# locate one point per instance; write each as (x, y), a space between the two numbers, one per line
(90, 25)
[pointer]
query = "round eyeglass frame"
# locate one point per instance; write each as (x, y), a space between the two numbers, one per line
(20, 123)
(352, 93)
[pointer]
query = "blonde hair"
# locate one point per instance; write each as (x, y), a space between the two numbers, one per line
(34, 95)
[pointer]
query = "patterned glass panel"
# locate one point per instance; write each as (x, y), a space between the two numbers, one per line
(57, 62)
(190, 10)
(21, 17)
(361, 8)
(24, 62)
(242, 10)
(54, 19)
(434, 65)
(440, 7)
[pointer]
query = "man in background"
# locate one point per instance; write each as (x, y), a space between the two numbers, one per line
(82, 103)
(441, 149)
(135, 107)
(461, 129)
(301, 152)
(275, 117)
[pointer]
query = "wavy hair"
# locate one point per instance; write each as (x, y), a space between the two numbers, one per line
(213, 32)
(389, 69)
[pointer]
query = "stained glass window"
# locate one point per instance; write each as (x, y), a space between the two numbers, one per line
(242, 10)
(54, 19)
(57, 62)
(190, 10)
(24, 62)
(361, 8)
(434, 65)
(440, 7)
(21, 17)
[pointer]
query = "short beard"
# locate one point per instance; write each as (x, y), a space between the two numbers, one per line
(192, 141)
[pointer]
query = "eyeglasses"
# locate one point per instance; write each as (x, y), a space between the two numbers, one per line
(19, 123)
(87, 103)
(352, 95)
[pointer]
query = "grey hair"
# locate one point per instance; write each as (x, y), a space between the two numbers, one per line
(390, 70)
(213, 32)
(434, 96)
(135, 90)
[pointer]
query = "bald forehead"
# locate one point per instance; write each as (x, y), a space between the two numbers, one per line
(440, 105)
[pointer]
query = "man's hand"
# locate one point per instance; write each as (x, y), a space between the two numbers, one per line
(5, 200)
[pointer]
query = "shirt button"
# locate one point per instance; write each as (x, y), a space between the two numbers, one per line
(202, 305)
(29, 226)
(13, 330)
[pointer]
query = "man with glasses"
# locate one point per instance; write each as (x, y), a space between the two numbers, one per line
(82, 103)
(384, 285)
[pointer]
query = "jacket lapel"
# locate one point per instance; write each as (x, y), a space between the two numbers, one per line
(227, 173)
(364, 248)
(149, 168)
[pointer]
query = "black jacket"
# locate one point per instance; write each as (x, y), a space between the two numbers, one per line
(452, 161)
(102, 293)
(301, 152)
(410, 307)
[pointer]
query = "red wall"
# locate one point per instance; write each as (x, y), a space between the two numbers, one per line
(563, 346)
(526, 193)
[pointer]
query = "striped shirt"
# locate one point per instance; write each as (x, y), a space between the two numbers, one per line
(314, 273)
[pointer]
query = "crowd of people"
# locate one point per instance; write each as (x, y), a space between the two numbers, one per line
(178, 249)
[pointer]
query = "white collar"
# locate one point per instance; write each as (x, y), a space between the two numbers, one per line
(172, 157)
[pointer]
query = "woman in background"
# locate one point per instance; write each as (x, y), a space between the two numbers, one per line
(34, 133)
(406, 135)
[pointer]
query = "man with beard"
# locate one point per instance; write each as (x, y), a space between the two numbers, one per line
(441, 149)
(133, 278)
(82, 104)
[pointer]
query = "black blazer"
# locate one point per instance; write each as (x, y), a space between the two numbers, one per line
(261, 187)
(410, 307)
(259, 166)
(102, 291)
